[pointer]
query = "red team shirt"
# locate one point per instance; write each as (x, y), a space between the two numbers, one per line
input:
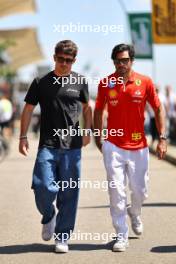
(125, 106)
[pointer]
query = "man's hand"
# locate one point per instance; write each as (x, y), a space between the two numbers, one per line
(161, 148)
(161, 127)
(24, 146)
(85, 140)
(98, 124)
(87, 117)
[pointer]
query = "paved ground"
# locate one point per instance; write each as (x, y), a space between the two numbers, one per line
(20, 222)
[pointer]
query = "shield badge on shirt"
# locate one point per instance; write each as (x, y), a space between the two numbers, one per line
(138, 82)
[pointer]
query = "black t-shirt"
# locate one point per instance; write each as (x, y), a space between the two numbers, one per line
(60, 105)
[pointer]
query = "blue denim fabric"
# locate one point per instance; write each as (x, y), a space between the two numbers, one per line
(51, 167)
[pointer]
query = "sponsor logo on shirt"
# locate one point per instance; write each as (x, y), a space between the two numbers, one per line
(72, 90)
(136, 136)
(113, 102)
(136, 101)
(111, 84)
(137, 94)
(112, 94)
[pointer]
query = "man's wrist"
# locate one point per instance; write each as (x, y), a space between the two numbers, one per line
(88, 132)
(163, 136)
(22, 137)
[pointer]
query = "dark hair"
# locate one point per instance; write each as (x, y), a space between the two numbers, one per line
(67, 47)
(123, 47)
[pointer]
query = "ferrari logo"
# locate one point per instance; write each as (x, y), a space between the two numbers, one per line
(138, 82)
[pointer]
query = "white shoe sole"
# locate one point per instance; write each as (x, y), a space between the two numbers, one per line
(122, 249)
(119, 249)
(137, 233)
(61, 250)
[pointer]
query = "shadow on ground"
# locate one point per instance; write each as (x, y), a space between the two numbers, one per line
(144, 205)
(36, 247)
(28, 248)
(164, 249)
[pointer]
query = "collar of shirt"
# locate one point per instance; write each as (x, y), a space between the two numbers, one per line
(131, 77)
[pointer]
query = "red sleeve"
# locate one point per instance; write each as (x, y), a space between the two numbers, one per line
(101, 97)
(152, 96)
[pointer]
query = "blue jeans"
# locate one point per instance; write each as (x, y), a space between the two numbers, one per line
(52, 168)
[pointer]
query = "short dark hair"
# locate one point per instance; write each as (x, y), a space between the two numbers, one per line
(67, 47)
(123, 47)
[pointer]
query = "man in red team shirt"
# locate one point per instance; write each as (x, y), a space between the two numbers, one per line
(126, 153)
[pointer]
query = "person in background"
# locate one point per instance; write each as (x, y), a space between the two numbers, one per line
(152, 123)
(170, 108)
(6, 113)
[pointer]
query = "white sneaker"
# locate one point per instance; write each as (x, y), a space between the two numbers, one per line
(136, 223)
(120, 245)
(61, 247)
(48, 229)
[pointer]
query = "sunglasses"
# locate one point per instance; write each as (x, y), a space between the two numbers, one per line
(122, 61)
(62, 60)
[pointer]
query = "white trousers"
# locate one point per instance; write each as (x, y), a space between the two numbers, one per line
(120, 164)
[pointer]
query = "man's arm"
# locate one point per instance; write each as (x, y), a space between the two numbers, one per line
(98, 125)
(25, 121)
(161, 127)
(87, 118)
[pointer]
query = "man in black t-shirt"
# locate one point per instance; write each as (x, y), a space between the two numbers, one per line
(62, 95)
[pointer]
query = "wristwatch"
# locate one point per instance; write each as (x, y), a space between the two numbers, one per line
(163, 136)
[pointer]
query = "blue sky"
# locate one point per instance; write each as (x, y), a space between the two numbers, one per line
(94, 48)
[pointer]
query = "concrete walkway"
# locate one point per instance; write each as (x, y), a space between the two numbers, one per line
(20, 227)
